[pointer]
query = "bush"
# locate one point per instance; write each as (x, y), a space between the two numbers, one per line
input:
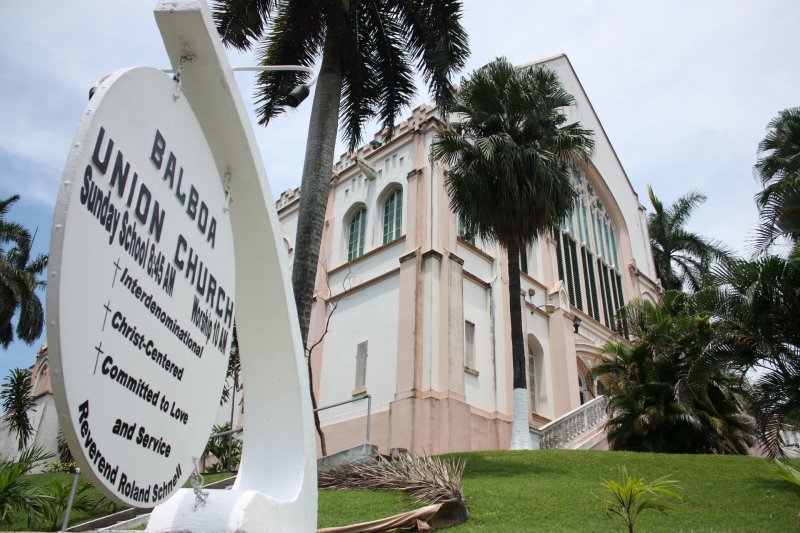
(226, 449)
(17, 493)
(59, 490)
(59, 466)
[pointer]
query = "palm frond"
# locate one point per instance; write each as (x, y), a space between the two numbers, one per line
(429, 480)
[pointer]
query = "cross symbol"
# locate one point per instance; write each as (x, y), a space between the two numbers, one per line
(116, 270)
(99, 351)
(108, 310)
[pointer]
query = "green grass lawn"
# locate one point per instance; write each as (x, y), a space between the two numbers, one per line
(558, 490)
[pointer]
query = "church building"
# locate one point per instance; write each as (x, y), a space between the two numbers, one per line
(419, 327)
(411, 314)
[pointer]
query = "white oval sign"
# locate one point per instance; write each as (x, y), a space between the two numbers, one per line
(140, 298)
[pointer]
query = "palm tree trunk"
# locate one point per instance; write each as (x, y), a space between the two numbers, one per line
(520, 432)
(316, 180)
(315, 185)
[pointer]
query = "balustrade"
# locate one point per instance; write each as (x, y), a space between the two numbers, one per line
(569, 427)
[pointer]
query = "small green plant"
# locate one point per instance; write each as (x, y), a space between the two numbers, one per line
(632, 495)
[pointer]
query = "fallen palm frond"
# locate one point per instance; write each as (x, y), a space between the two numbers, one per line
(428, 480)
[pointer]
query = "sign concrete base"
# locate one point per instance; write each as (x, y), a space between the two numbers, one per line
(224, 511)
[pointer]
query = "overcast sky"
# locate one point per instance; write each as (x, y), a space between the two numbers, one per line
(684, 90)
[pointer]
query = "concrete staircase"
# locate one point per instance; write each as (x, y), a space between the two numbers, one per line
(580, 429)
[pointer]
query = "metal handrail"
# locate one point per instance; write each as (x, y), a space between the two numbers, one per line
(225, 433)
(331, 406)
(369, 410)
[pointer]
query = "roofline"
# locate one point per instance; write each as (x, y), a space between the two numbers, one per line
(602, 129)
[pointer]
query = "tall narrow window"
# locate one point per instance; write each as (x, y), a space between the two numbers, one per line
(361, 367)
(355, 238)
(532, 380)
(469, 344)
(588, 261)
(523, 259)
(393, 216)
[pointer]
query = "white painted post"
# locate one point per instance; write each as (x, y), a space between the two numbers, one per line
(68, 510)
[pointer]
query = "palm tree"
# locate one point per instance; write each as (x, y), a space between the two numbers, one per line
(15, 397)
(682, 258)
(509, 157)
(368, 50)
(653, 406)
(19, 281)
(778, 167)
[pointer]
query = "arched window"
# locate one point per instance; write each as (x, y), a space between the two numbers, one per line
(587, 257)
(355, 234)
(393, 216)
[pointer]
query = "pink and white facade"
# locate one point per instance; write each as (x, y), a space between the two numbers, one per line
(421, 319)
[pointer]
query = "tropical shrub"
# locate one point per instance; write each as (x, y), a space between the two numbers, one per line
(652, 405)
(630, 496)
(17, 493)
(226, 449)
(58, 497)
(757, 325)
(60, 466)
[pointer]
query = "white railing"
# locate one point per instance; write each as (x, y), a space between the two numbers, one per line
(571, 426)
(791, 438)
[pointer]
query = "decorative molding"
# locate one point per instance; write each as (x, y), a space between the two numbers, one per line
(432, 253)
(414, 173)
(535, 309)
(364, 257)
(364, 285)
(533, 281)
(455, 258)
(634, 270)
(475, 279)
(409, 256)
(477, 251)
